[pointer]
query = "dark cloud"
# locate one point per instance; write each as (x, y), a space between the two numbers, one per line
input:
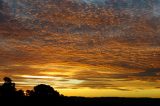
(121, 89)
(150, 72)
(95, 85)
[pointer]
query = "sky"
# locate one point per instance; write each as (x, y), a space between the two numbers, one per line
(88, 48)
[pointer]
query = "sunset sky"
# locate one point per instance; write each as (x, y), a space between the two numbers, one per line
(82, 47)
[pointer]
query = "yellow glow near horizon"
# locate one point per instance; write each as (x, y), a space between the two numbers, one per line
(79, 80)
(154, 93)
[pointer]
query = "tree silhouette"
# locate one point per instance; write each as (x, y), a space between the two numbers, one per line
(29, 92)
(20, 93)
(7, 80)
(8, 88)
(52, 97)
(44, 90)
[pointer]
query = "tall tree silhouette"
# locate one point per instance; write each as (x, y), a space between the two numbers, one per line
(8, 88)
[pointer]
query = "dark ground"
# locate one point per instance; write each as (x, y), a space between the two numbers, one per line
(80, 101)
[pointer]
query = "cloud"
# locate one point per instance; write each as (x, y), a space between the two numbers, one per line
(150, 72)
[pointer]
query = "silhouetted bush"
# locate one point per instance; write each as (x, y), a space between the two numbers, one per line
(29, 92)
(44, 90)
(20, 93)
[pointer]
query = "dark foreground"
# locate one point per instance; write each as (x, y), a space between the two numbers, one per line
(45, 95)
(80, 101)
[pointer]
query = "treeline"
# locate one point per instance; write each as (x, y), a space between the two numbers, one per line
(46, 95)
(8, 89)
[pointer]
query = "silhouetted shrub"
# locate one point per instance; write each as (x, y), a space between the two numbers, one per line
(44, 90)
(20, 93)
(29, 92)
